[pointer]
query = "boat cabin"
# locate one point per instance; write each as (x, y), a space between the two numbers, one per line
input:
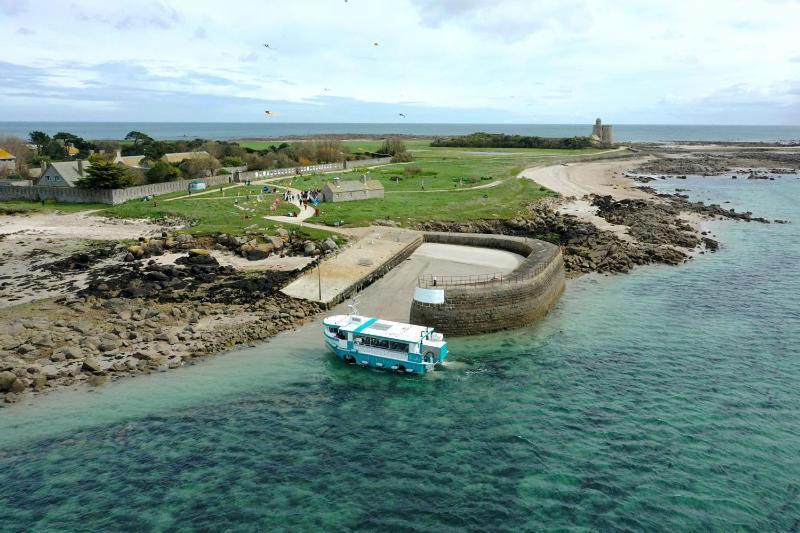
(384, 343)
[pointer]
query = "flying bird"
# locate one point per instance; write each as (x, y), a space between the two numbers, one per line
(266, 45)
(402, 115)
(326, 90)
(375, 44)
(270, 113)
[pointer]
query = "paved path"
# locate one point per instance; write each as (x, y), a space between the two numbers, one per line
(304, 214)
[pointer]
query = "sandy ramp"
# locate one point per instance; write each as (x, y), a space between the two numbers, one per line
(358, 260)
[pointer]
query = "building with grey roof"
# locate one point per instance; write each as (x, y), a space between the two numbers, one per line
(63, 173)
(346, 191)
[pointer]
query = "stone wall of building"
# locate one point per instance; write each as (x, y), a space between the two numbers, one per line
(507, 302)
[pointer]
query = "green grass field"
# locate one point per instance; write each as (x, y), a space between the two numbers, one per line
(211, 216)
(507, 200)
(446, 169)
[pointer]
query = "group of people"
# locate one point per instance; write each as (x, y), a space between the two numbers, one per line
(310, 196)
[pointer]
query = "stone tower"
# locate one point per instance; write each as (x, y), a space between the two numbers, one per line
(602, 132)
(597, 131)
(608, 134)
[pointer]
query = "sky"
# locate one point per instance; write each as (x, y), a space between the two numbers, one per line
(470, 61)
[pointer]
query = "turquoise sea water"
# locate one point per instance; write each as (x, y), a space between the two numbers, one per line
(663, 400)
(241, 130)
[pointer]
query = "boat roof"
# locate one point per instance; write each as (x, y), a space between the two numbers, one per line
(376, 327)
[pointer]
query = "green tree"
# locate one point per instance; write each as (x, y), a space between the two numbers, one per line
(392, 146)
(200, 167)
(40, 139)
(154, 150)
(138, 138)
(162, 171)
(231, 161)
(105, 175)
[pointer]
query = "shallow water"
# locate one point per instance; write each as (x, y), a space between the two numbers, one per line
(668, 399)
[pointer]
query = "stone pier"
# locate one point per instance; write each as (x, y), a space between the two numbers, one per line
(470, 305)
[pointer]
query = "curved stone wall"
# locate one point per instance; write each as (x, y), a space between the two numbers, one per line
(519, 298)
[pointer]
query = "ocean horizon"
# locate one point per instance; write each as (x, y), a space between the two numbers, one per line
(250, 130)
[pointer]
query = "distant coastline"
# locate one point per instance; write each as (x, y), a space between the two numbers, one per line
(272, 130)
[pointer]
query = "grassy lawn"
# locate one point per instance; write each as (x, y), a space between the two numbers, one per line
(214, 216)
(241, 192)
(507, 200)
(452, 179)
(9, 207)
(446, 169)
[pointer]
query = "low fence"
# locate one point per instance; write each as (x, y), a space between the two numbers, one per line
(310, 169)
(77, 195)
(499, 278)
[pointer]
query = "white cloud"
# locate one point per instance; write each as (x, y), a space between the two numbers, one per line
(512, 60)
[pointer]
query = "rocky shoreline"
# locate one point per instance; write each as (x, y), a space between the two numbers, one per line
(138, 318)
(660, 233)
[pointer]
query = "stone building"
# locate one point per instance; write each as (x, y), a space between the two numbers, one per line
(602, 133)
(8, 163)
(62, 173)
(345, 191)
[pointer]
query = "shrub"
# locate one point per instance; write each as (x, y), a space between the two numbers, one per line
(105, 175)
(162, 171)
(231, 161)
(412, 170)
(501, 140)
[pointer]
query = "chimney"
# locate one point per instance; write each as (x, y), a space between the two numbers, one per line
(80, 167)
(336, 181)
(43, 166)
